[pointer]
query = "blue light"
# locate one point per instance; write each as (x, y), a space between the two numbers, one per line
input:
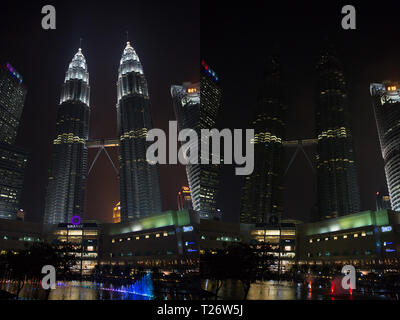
(390, 250)
(191, 250)
(187, 228)
(386, 229)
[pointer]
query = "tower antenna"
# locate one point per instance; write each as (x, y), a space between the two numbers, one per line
(80, 42)
(127, 36)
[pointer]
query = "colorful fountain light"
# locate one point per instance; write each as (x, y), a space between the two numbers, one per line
(143, 287)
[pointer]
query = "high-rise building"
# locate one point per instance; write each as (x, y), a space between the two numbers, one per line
(139, 180)
(12, 99)
(196, 107)
(184, 199)
(116, 217)
(262, 197)
(13, 160)
(67, 179)
(338, 192)
(386, 104)
(382, 201)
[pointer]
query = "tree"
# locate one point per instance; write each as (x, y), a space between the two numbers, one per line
(28, 263)
(243, 263)
(17, 263)
(212, 266)
(41, 254)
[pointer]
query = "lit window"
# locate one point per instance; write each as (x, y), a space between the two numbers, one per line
(335, 238)
(157, 235)
(120, 239)
(113, 240)
(147, 236)
(137, 238)
(363, 234)
(318, 239)
(326, 239)
(90, 248)
(310, 240)
(355, 235)
(129, 239)
(345, 236)
(165, 234)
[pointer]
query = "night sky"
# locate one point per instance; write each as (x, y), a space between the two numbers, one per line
(165, 35)
(236, 38)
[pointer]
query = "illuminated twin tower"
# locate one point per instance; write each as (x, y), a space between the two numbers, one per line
(139, 180)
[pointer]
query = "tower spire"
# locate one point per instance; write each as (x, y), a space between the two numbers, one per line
(80, 43)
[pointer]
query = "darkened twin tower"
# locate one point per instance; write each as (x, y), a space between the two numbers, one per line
(338, 194)
(139, 180)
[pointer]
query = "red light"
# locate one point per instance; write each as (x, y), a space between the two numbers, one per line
(206, 67)
(377, 193)
(332, 289)
(203, 63)
(351, 291)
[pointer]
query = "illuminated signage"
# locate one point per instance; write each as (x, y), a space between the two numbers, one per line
(209, 71)
(73, 226)
(187, 228)
(191, 90)
(386, 229)
(13, 72)
(392, 88)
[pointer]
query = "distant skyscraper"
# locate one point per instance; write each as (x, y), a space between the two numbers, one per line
(184, 199)
(382, 201)
(262, 197)
(386, 104)
(116, 217)
(67, 180)
(139, 180)
(13, 159)
(196, 107)
(338, 192)
(12, 99)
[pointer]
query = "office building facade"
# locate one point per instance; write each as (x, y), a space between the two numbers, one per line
(13, 160)
(139, 180)
(67, 179)
(12, 99)
(338, 191)
(262, 196)
(196, 107)
(386, 103)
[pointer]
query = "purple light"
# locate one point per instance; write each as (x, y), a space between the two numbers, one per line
(75, 220)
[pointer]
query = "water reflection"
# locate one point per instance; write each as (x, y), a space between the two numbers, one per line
(80, 290)
(283, 290)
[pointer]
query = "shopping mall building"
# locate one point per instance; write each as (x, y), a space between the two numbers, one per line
(367, 238)
(168, 240)
(175, 240)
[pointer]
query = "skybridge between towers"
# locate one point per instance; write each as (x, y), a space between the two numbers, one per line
(299, 145)
(101, 145)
